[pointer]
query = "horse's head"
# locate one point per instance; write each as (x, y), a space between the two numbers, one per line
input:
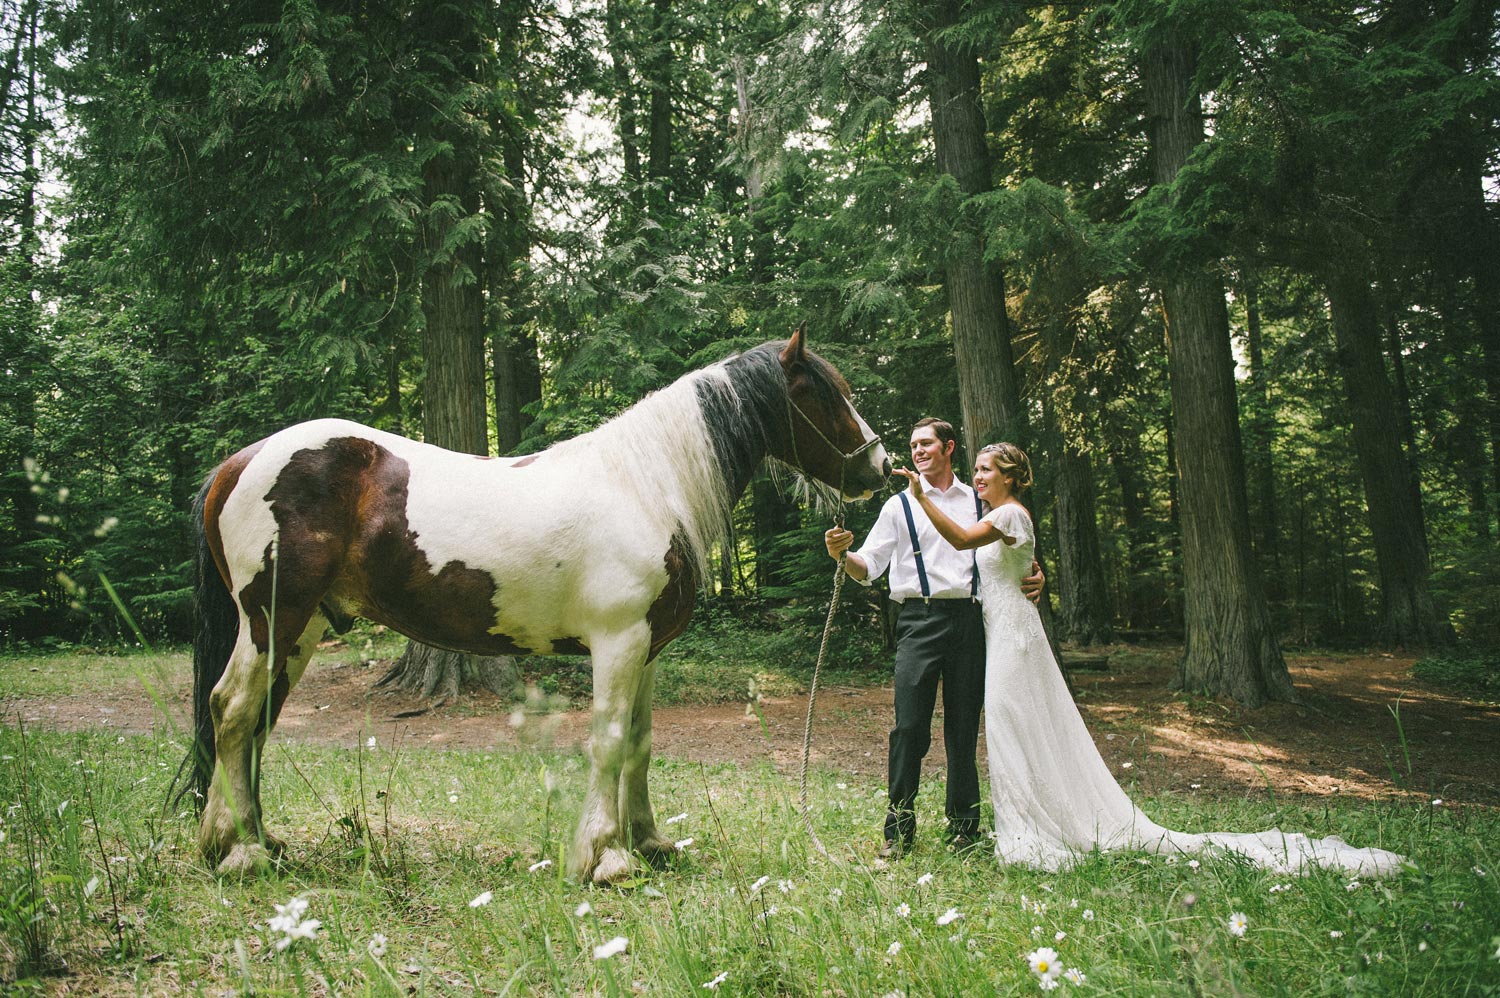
(829, 440)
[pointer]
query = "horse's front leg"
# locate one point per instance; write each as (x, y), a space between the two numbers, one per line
(639, 819)
(600, 852)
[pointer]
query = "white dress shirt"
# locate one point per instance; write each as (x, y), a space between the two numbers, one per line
(950, 572)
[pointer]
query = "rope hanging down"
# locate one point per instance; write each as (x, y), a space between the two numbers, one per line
(812, 692)
(833, 604)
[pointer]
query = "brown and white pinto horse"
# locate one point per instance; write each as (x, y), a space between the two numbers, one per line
(595, 545)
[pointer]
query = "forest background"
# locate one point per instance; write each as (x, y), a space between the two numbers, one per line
(1228, 269)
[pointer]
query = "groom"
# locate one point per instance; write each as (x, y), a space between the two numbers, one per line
(939, 636)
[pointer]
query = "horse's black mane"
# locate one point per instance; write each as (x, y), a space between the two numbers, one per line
(745, 423)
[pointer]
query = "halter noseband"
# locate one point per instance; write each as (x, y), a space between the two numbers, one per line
(844, 457)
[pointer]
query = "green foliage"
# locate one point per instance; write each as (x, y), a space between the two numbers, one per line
(1469, 670)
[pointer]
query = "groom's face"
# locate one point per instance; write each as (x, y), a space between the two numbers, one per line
(929, 455)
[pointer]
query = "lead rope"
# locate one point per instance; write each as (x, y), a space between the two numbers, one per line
(833, 604)
(812, 692)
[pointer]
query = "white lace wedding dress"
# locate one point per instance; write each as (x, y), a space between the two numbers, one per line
(1053, 795)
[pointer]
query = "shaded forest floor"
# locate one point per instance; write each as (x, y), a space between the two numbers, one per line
(1342, 741)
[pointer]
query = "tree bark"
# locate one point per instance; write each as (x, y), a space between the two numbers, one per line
(1408, 614)
(1084, 606)
(514, 364)
(988, 389)
(659, 67)
(1260, 436)
(1230, 648)
(453, 396)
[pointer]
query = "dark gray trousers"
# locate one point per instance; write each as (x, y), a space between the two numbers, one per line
(940, 640)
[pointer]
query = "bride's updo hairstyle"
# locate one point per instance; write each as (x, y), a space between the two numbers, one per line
(1011, 461)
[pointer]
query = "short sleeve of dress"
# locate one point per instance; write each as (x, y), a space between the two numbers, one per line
(1011, 519)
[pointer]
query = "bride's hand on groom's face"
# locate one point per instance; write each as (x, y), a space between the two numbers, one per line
(912, 478)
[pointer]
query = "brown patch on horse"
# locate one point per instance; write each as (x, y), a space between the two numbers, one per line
(528, 459)
(673, 607)
(346, 543)
(225, 479)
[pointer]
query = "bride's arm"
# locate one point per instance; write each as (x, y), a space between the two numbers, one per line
(982, 533)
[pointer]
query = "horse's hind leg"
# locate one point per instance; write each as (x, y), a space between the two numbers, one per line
(600, 851)
(636, 809)
(244, 706)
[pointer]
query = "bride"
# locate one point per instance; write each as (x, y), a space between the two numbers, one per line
(1053, 795)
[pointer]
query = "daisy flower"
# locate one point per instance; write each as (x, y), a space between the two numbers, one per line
(1075, 976)
(1237, 924)
(903, 910)
(763, 881)
(949, 917)
(583, 909)
(893, 948)
(674, 820)
(1059, 936)
(1335, 934)
(1088, 914)
(376, 945)
(924, 880)
(681, 844)
(1044, 965)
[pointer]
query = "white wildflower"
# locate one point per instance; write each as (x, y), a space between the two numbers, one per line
(1335, 934)
(376, 945)
(583, 909)
(924, 880)
(481, 899)
(785, 886)
(713, 985)
(903, 910)
(1088, 914)
(540, 864)
(675, 819)
(763, 881)
(1075, 976)
(614, 947)
(893, 949)
(1237, 924)
(949, 917)
(1043, 963)
(370, 742)
(1059, 936)
(681, 844)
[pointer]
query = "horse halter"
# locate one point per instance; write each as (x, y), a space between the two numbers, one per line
(844, 457)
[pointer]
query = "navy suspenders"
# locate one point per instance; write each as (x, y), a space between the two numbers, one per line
(916, 549)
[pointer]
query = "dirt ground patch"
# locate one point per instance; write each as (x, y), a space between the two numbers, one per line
(1342, 741)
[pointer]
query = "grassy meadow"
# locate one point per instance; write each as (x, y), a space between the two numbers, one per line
(440, 873)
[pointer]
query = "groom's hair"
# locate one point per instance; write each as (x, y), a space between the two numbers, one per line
(941, 428)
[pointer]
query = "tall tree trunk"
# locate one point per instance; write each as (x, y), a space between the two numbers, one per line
(1392, 497)
(453, 396)
(988, 389)
(1230, 647)
(514, 365)
(1260, 441)
(1084, 606)
(619, 55)
(659, 70)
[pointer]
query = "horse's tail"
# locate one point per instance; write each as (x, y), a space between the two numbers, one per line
(215, 630)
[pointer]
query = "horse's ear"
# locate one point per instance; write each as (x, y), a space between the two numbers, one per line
(795, 351)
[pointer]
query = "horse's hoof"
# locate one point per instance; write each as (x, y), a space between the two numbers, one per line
(275, 845)
(245, 860)
(614, 866)
(656, 849)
